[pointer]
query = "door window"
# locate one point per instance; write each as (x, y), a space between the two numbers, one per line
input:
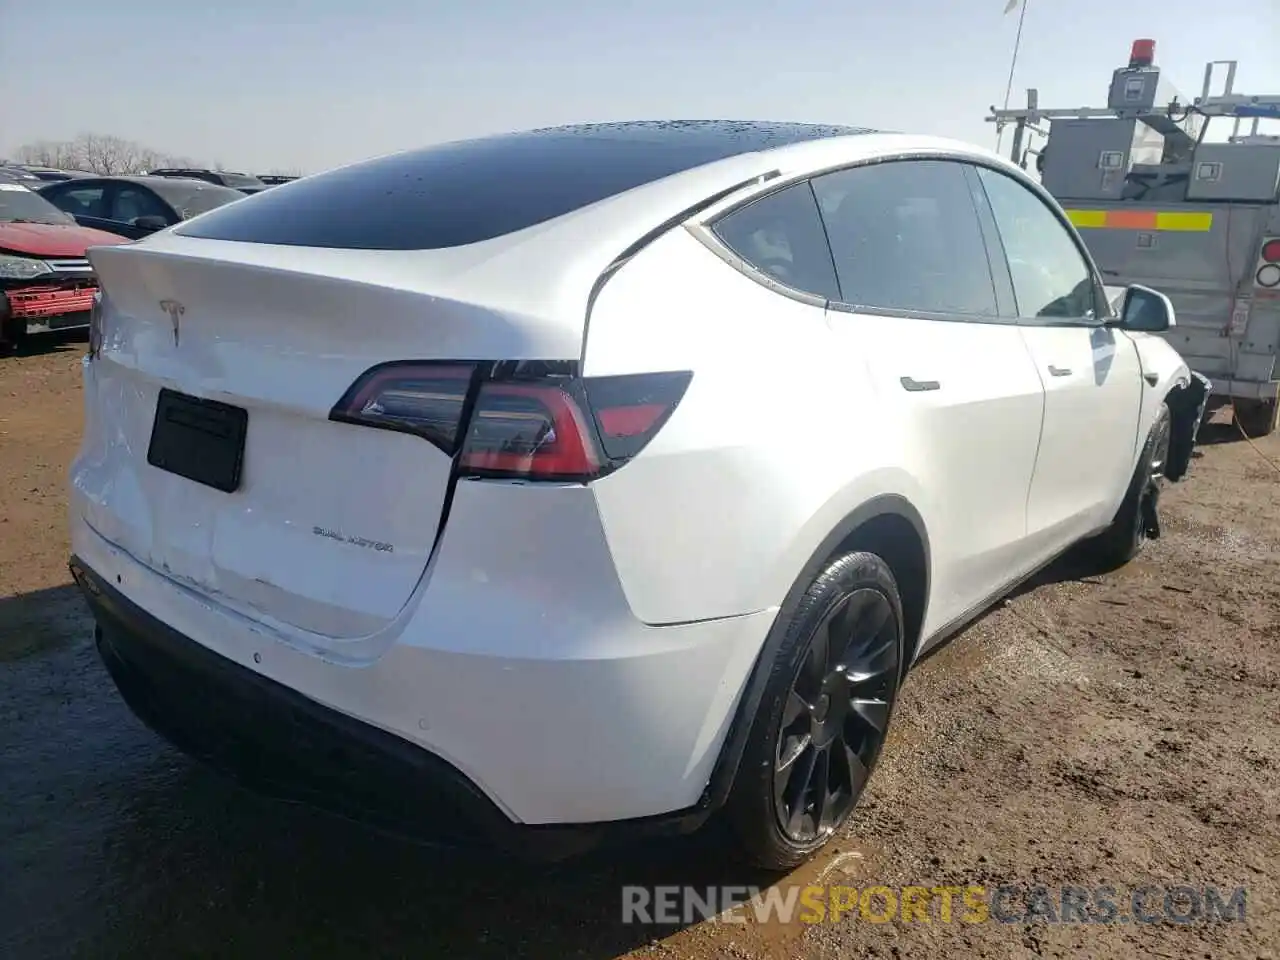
(1051, 278)
(781, 236)
(81, 201)
(905, 236)
(132, 202)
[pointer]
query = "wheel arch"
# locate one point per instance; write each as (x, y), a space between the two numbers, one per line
(884, 524)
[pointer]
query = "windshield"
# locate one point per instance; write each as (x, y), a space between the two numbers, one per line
(196, 196)
(240, 180)
(20, 205)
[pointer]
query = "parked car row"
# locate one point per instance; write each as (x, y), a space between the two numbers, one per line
(244, 182)
(36, 173)
(49, 218)
(46, 282)
(133, 207)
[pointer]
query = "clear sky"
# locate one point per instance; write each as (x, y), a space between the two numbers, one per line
(316, 83)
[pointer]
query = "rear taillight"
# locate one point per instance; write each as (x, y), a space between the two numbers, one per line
(535, 429)
(518, 419)
(422, 398)
(1268, 275)
(630, 409)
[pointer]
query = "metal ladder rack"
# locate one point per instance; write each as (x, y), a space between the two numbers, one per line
(1228, 104)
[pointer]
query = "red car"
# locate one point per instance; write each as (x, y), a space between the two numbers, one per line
(46, 283)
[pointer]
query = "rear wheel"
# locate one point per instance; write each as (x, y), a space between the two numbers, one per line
(1138, 519)
(824, 715)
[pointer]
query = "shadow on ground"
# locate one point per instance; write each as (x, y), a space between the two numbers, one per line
(1219, 431)
(114, 845)
(42, 344)
(39, 620)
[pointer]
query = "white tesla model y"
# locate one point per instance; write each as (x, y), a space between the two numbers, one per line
(595, 480)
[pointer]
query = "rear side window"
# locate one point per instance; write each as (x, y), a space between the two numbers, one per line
(905, 236)
(459, 193)
(132, 202)
(81, 201)
(781, 236)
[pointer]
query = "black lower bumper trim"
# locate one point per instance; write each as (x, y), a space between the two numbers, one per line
(279, 742)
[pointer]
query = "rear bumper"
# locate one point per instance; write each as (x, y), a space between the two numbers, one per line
(540, 722)
(280, 743)
(45, 308)
(66, 321)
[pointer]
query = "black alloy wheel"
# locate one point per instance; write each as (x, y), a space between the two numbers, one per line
(836, 715)
(832, 666)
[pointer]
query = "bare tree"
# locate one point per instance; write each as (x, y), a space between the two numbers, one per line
(46, 153)
(156, 160)
(108, 155)
(99, 153)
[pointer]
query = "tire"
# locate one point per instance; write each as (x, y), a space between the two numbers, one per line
(1137, 519)
(845, 636)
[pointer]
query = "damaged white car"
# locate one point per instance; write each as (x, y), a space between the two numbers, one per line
(591, 481)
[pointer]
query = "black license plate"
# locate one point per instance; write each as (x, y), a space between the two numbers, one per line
(202, 440)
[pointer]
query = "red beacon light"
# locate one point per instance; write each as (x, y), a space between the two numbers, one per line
(1142, 53)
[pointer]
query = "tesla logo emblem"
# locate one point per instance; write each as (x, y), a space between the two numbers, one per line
(175, 310)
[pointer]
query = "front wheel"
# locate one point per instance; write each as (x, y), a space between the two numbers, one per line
(1138, 519)
(824, 715)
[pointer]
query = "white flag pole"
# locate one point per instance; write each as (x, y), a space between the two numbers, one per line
(1013, 63)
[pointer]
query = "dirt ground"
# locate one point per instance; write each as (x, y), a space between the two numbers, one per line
(1118, 730)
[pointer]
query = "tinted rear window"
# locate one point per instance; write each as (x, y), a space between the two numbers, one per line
(781, 235)
(474, 190)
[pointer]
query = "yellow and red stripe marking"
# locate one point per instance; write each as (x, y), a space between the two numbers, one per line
(1173, 220)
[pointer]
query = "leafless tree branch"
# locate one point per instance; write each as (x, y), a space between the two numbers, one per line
(99, 153)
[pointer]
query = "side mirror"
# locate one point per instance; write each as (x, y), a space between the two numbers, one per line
(149, 223)
(1145, 310)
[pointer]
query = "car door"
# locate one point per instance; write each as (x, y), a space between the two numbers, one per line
(919, 307)
(1091, 372)
(90, 203)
